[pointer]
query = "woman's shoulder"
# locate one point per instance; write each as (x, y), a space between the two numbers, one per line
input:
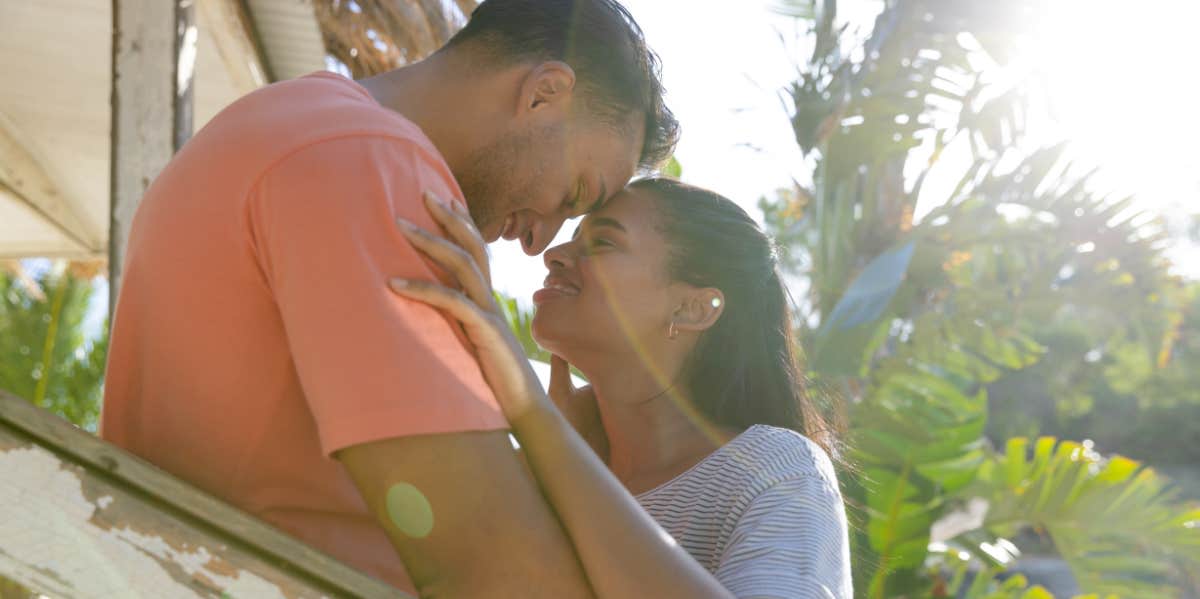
(758, 459)
(778, 454)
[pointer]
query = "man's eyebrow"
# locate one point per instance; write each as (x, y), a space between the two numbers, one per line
(600, 197)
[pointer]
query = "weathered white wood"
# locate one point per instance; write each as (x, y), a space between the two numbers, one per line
(146, 107)
(26, 231)
(56, 77)
(186, 37)
(55, 63)
(226, 23)
(291, 38)
(85, 519)
(28, 181)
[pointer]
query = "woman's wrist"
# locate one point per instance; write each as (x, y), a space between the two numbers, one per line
(536, 417)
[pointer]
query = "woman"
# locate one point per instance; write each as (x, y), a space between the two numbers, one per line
(694, 479)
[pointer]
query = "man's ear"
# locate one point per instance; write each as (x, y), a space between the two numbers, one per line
(700, 309)
(547, 86)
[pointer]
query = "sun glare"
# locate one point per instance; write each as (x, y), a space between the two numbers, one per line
(1120, 84)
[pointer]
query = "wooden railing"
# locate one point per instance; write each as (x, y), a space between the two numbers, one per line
(82, 518)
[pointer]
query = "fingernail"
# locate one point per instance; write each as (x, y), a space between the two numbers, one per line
(399, 283)
(429, 195)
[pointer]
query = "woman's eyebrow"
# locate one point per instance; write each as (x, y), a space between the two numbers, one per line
(598, 221)
(604, 221)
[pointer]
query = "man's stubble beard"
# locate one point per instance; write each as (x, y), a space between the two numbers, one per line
(493, 184)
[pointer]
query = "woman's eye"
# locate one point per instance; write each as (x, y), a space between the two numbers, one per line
(596, 243)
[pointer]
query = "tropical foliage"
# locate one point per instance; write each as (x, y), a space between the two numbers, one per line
(916, 320)
(45, 353)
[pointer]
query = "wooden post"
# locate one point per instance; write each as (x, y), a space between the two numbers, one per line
(153, 62)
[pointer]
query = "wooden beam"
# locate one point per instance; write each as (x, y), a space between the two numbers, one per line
(185, 71)
(232, 33)
(289, 35)
(152, 67)
(466, 7)
(86, 519)
(25, 177)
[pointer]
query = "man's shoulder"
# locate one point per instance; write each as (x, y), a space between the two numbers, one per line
(306, 113)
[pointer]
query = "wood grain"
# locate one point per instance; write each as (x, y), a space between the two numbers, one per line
(70, 493)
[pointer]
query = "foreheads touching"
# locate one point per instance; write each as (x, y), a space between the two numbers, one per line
(617, 78)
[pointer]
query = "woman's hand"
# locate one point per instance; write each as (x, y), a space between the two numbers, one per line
(464, 256)
(578, 405)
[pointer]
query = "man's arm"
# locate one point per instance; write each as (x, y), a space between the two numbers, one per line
(466, 518)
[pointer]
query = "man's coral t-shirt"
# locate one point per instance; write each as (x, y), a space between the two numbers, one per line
(255, 334)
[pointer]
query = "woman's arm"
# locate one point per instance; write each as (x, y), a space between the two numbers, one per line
(624, 552)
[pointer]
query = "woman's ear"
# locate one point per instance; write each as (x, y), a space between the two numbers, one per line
(700, 309)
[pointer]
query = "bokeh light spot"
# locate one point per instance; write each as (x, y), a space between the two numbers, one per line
(409, 510)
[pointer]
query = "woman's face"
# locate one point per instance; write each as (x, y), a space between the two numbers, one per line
(607, 290)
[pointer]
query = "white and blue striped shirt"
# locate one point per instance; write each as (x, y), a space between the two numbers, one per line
(763, 513)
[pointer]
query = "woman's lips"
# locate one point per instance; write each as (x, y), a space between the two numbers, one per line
(554, 288)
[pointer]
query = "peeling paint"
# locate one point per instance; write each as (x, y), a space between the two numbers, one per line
(53, 538)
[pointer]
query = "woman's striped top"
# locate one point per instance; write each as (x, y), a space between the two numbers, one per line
(763, 513)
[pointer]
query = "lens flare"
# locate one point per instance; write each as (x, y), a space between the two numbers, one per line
(669, 382)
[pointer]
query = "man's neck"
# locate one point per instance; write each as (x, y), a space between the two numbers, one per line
(450, 108)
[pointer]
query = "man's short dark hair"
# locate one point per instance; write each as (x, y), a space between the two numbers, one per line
(617, 74)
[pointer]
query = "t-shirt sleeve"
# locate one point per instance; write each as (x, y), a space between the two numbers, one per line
(372, 365)
(790, 543)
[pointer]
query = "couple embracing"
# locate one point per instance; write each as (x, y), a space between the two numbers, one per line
(307, 330)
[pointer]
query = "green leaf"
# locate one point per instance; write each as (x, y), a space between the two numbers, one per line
(853, 328)
(673, 168)
(871, 291)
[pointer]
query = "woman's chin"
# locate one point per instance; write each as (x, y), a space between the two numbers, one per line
(549, 330)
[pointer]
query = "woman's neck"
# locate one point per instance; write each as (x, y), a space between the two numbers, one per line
(652, 435)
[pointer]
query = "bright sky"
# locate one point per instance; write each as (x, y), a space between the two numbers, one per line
(1121, 76)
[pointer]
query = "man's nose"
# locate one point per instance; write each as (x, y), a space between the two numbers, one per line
(541, 234)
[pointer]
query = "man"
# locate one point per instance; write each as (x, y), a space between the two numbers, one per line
(255, 337)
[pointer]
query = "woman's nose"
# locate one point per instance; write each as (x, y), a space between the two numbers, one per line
(559, 256)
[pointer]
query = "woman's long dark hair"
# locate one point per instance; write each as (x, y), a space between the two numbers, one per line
(745, 369)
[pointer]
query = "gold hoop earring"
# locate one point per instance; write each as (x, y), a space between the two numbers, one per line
(672, 332)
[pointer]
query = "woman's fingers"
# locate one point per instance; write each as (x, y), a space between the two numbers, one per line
(503, 362)
(453, 302)
(456, 260)
(461, 229)
(560, 377)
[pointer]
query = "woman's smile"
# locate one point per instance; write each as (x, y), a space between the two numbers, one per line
(554, 287)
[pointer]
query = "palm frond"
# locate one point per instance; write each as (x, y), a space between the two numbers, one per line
(373, 36)
(1116, 522)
